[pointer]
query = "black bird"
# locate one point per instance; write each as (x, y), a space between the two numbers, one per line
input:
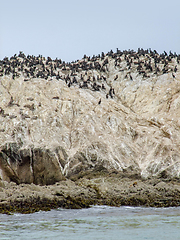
(99, 101)
(110, 92)
(103, 87)
(116, 77)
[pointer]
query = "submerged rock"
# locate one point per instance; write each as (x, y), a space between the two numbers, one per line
(115, 119)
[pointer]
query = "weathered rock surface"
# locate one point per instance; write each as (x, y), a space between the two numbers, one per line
(101, 189)
(49, 130)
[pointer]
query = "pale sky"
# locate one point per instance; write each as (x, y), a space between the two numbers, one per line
(71, 28)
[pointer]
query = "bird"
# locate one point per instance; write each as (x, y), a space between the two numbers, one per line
(116, 77)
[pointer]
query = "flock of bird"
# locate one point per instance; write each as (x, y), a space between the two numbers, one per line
(92, 72)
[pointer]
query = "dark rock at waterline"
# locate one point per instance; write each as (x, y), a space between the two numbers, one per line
(99, 188)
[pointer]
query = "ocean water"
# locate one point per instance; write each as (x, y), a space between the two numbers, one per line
(98, 222)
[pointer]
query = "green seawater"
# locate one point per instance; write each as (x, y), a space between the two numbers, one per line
(98, 222)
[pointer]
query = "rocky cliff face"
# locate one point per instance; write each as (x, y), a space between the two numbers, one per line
(117, 112)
